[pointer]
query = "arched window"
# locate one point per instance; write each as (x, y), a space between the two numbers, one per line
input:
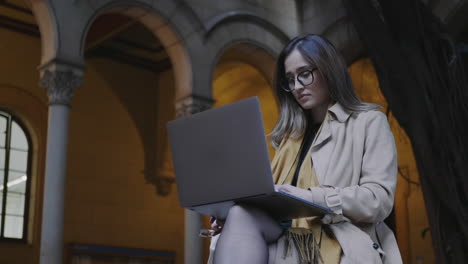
(15, 159)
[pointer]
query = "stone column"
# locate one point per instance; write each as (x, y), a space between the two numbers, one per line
(60, 82)
(193, 244)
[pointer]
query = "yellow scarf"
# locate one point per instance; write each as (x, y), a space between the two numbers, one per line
(305, 230)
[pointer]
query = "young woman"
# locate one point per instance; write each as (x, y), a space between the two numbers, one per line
(331, 149)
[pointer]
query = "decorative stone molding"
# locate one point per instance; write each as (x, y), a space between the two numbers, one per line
(60, 85)
(164, 182)
(163, 177)
(192, 104)
(242, 16)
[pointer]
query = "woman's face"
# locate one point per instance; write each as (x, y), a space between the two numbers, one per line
(314, 93)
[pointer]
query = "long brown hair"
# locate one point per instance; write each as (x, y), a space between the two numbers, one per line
(320, 52)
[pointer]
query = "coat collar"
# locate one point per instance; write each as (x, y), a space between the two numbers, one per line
(324, 132)
(339, 113)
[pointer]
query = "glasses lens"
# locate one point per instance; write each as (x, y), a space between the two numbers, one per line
(306, 77)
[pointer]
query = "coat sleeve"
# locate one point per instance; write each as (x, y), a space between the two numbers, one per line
(372, 199)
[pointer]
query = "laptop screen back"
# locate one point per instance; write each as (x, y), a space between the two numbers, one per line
(220, 154)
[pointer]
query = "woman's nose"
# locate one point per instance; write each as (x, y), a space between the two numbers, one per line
(298, 85)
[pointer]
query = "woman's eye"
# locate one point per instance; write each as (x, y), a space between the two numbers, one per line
(305, 74)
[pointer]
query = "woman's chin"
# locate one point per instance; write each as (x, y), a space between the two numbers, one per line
(307, 105)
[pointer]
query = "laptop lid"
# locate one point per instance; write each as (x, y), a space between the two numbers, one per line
(220, 154)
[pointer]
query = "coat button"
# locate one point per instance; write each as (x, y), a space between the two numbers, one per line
(376, 246)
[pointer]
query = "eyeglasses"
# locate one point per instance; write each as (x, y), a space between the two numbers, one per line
(305, 78)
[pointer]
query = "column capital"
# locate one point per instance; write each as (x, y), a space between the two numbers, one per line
(60, 80)
(192, 104)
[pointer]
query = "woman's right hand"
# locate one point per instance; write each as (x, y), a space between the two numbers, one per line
(217, 225)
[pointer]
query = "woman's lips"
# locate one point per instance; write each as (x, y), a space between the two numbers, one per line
(303, 96)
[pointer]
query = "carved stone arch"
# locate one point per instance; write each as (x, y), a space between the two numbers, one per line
(233, 33)
(345, 38)
(252, 53)
(47, 23)
(171, 22)
(242, 16)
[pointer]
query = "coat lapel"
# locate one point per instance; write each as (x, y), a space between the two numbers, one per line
(322, 161)
(323, 136)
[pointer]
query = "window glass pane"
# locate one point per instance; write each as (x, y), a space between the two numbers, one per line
(17, 182)
(2, 165)
(1, 206)
(14, 215)
(2, 159)
(3, 127)
(18, 161)
(18, 138)
(15, 204)
(2, 175)
(13, 226)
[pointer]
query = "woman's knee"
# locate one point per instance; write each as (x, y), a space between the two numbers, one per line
(241, 220)
(253, 220)
(241, 213)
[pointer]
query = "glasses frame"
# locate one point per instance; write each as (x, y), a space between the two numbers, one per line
(286, 87)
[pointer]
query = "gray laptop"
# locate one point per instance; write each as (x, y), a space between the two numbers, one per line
(221, 158)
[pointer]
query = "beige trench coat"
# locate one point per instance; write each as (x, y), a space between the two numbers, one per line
(356, 165)
(355, 153)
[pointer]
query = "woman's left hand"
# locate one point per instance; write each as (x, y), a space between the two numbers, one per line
(217, 225)
(298, 192)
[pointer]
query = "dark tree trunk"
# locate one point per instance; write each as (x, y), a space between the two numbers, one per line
(421, 75)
